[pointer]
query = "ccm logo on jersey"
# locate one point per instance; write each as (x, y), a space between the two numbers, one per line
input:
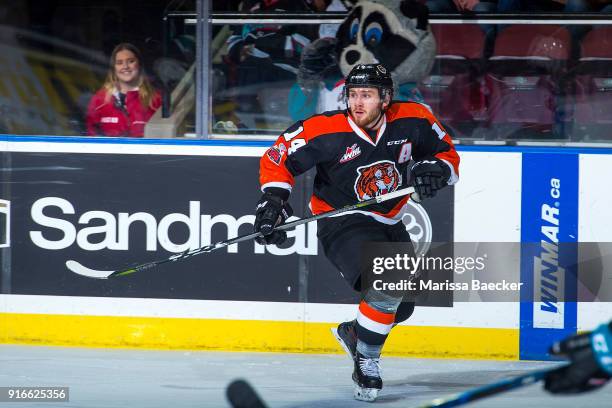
(351, 152)
(109, 119)
(396, 142)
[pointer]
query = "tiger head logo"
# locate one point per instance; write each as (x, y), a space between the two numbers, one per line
(376, 179)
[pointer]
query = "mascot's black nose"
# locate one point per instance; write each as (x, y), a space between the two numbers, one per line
(352, 57)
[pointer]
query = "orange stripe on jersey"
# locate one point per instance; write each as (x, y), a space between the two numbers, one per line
(375, 315)
(395, 210)
(270, 171)
(451, 156)
(416, 110)
(318, 206)
(320, 125)
(272, 168)
(404, 110)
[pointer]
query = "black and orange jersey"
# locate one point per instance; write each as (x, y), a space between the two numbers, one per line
(350, 165)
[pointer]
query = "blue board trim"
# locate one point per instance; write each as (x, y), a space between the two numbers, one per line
(266, 143)
(135, 141)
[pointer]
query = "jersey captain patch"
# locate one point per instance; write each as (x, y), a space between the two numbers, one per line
(376, 179)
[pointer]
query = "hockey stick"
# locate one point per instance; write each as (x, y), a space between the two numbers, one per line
(488, 390)
(241, 394)
(79, 269)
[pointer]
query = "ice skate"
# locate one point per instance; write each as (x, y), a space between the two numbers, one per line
(347, 337)
(367, 378)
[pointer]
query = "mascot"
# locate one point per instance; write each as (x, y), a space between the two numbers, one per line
(393, 33)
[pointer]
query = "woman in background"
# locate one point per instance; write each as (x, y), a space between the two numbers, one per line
(126, 101)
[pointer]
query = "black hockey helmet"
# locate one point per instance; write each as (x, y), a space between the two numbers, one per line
(370, 76)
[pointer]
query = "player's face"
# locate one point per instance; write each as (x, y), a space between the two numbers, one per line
(364, 105)
(127, 67)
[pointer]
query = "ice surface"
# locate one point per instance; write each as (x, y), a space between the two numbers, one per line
(107, 378)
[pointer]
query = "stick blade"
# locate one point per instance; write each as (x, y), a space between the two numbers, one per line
(241, 395)
(79, 269)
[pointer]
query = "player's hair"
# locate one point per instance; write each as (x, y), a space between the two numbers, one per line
(145, 89)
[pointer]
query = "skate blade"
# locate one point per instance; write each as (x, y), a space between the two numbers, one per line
(334, 331)
(365, 394)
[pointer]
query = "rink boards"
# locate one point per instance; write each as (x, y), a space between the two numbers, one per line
(110, 203)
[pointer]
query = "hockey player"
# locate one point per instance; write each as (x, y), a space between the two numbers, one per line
(359, 153)
(590, 367)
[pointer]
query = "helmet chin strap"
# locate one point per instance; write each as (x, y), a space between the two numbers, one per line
(380, 116)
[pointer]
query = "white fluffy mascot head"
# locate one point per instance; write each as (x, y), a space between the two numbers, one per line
(393, 33)
(390, 32)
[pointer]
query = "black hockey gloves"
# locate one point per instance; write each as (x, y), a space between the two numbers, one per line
(271, 211)
(590, 356)
(430, 175)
